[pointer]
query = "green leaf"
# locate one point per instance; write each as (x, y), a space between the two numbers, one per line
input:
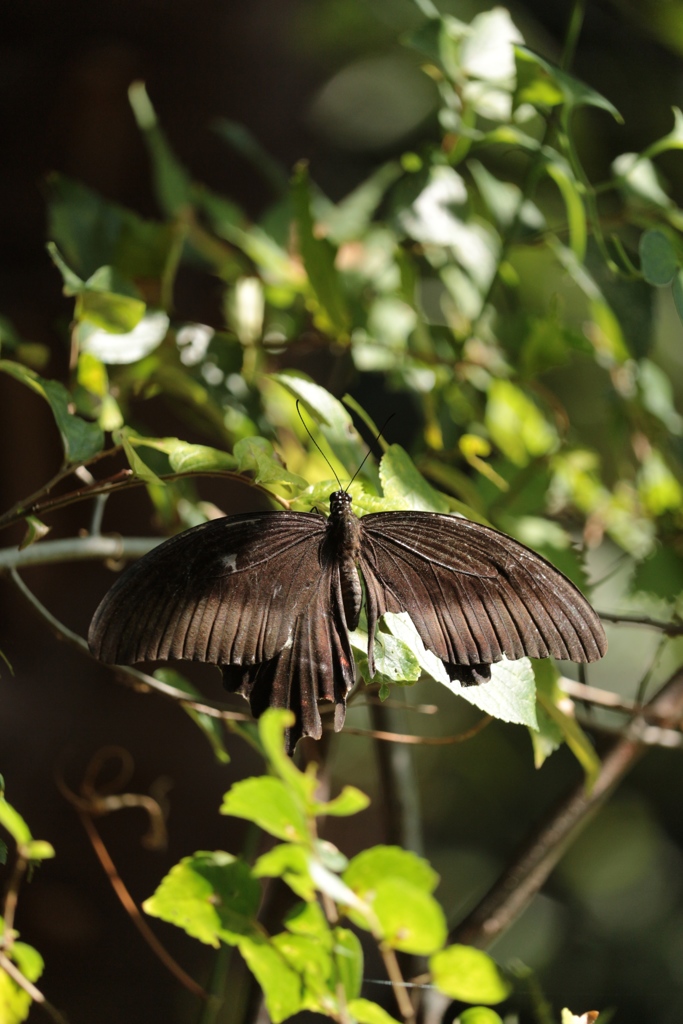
(394, 660)
(678, 294)
(559, 709)
(468, 974)
(13, 822)
(402, 481)
(410, 919)
(334, 419)
(270, 804)
(172, 182)
(371, 867)
(15, 1003)
(509, 695)
(549, 736)
(351, 217)
(211, 896)
(256, 455)
(658, 258)
(574, 92)
(271, 726)
(187, 458)
(141, 470)
(280, 984)
(367, 1012)
(479, 1015)
(309, 919)
(290, 863)
(312, 960)
(348, 958)
(35, 531)
(318, 258)
(350, 801)
(80, 439)
(516, 424)
(210, 726)
(674, 140)
(38, 850)
(563, 176)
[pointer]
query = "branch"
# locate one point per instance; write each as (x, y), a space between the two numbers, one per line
(36, 995)
(140, 681)
(77, 549)
(670, 628)
(511, 894)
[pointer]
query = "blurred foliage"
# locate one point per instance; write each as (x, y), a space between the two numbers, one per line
(481, 284)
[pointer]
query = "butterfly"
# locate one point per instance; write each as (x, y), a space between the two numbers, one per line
(270, 597)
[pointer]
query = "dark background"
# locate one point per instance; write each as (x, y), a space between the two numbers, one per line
(64, 72)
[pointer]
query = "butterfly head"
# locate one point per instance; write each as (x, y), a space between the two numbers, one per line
(340, 502)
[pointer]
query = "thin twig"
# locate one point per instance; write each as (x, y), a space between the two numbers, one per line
(397, 984)
(426, 741)
(77, 549)
(36, 995)
(131, 909)
(140, 681)
(670, 628)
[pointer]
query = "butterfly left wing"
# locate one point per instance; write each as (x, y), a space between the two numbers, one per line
(474, 594)
(257, 594)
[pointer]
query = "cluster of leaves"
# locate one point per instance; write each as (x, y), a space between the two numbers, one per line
(15, 1000)
(316, 963)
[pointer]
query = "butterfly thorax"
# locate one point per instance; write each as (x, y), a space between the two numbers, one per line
(343, 545)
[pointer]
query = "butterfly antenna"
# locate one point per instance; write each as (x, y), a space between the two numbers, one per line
(298, 403)
(369, 452)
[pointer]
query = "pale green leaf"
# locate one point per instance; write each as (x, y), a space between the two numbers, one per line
(13, 822)
(469, 974)
(35, 531)
(271, 726)
(348, 958)
(370, 867)
(270, 804)
(129, 347)
(367, 1012)
(510, 693)
(281, 985)
(350, 801)
(212, 896)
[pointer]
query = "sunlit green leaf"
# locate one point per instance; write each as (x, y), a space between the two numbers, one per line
(270, 804)
(469, 974)
(510, 693)
(479, 1015)
(281, 985)
(256, 455)
(516, 424)
(674, 139)
(13, 822)
(410, 919)
(557, 715)
(15, 1003)
(127, 347)
(372, 866)
(211, 896)
(402, 480)
(350, 801)
(561, 173)
(658, 488)
(312, 960)
(367, 1012)
(289, 862)
(348, 957)
(271, 727)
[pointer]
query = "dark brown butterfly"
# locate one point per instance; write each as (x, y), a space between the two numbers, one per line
(271, 597)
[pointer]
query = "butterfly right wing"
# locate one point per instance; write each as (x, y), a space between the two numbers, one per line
(226, 592)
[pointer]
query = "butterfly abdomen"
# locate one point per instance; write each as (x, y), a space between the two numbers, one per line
(343, 541)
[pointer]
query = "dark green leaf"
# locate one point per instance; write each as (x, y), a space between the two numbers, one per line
(574, 92)
(173, 184)
(658, 258)
(318, 258)
(256, 455)
(80, 439)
